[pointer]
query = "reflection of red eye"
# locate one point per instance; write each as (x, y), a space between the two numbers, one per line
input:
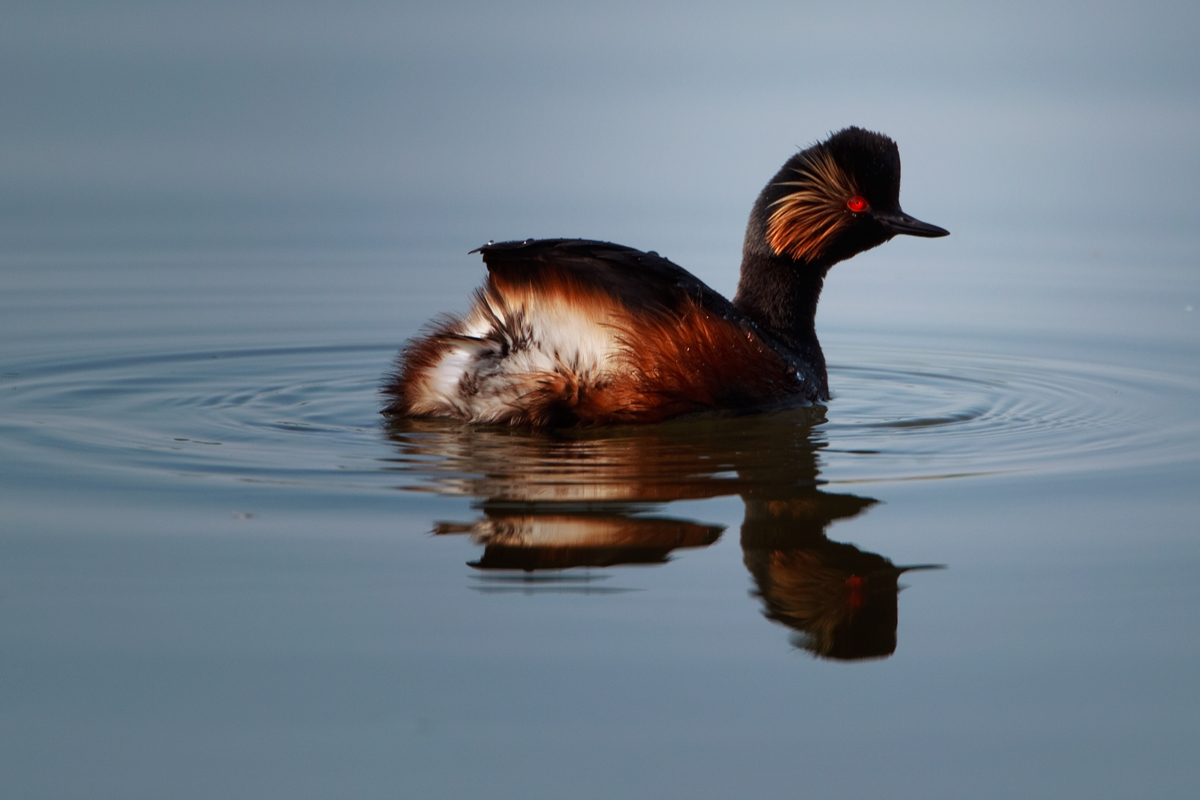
(856, 204)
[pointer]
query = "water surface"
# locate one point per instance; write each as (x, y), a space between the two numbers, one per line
(223, 573)
(219, 553)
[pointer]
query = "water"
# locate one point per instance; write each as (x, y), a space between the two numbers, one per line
(222, 573)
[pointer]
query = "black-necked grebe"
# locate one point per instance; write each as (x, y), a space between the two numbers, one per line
(579, 332)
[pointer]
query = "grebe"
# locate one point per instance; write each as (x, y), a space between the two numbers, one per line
(579, 332)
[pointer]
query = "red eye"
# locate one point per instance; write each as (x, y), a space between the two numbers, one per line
(856, 204)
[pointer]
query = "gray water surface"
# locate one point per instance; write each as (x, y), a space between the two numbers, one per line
(973, 573)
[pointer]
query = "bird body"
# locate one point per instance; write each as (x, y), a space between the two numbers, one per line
(581, 332)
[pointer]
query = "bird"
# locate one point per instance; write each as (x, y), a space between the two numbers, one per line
(580, 332)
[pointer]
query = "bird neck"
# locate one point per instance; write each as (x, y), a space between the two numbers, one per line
(781, 294)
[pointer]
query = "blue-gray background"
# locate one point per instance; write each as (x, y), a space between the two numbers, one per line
(210, 586)
(1064, 117)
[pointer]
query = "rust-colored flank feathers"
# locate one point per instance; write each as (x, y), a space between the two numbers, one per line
(805, 221)
(580, 332)
(543, 347)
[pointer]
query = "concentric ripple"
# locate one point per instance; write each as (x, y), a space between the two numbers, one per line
(902, 414)
(309, 416)
(288, 415)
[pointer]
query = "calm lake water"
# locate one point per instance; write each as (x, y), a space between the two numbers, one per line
(974, 573)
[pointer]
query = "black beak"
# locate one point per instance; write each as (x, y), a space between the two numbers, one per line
(899, 222)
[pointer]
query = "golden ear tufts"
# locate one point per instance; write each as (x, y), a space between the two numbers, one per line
(806, 220)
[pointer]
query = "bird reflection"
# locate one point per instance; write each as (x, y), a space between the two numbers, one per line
(519, 539)
(585, 498)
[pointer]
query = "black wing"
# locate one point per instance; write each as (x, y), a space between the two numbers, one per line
(640, 281)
